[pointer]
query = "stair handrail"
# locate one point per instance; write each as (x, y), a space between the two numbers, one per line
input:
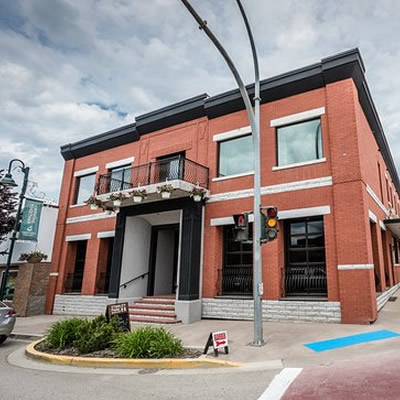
(124, 285)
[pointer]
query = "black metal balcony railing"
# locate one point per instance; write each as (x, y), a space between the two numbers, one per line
(306, 280)
(237, 281)
(159, 171)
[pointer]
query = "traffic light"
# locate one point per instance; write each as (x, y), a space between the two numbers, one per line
(241, 230)
(269, 224)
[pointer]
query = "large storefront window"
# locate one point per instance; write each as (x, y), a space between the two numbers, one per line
(237, 272)
(305, 272)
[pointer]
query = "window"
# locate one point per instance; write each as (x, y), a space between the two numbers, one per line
(380, 181)
(84, 188)
(305, 257)
(299, 143)
(236, 156)
(237, 273)
(121, 178)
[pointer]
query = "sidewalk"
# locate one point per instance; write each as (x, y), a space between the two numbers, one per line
(284, 341)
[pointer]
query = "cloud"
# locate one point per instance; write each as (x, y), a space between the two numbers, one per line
(72, 69)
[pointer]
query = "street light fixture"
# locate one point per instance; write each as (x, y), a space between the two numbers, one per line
(8, 180)
(254, 118)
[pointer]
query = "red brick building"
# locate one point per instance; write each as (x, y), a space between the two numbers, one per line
(325, 164)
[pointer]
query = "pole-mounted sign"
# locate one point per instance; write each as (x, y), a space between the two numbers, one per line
(30, 220)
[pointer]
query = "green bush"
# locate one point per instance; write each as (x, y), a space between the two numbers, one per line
(96, 334)
(148, 342)
(63, 333)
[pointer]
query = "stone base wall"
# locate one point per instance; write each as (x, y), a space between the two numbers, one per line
(273, 310)
(70, 304)
(384, 297)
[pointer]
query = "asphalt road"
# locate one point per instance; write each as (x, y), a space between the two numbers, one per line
(17, 383)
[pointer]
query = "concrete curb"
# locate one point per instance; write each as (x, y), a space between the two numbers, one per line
(25, 336)
(167, 363)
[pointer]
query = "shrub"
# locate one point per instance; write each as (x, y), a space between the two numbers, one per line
(96, 334)
(63, 333)
(148, 342)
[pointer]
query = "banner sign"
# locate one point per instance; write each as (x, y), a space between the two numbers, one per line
(121, 310)
(217, 340)
(30, 220)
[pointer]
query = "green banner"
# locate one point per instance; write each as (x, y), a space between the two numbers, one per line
(30, 220)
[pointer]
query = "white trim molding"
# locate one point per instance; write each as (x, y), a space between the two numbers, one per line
(397, 265)
(350, 267)
(105, 234)
(280, 188)
(232, 134)
(53, 274)
(372, 216)
(74, 238)
(300, 164)
(224, 178)
(376, 199)
(302, 116)
(285, 214)
(85, 218)
(86, 171)
(382, 225)
(120, 163)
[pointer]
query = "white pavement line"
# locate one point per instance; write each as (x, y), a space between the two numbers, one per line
(280, 383)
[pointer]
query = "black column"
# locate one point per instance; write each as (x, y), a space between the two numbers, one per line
(189, 278)
(115, 273)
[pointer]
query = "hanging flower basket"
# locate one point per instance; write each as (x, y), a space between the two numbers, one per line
(197, 197)
(198, 193)
(33, 257)
(165, 190)
(93, 203)
(139, 195)
(117, 199)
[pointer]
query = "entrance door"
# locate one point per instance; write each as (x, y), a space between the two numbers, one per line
(163, 270)
(305, 258)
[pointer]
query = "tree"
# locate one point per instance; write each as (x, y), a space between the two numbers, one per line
(8, 203)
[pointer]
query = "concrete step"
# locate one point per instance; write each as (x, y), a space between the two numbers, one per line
(156, 301)
(150, 306)
(148, 313)
(167, 297)
(152, 320)
(160, 310)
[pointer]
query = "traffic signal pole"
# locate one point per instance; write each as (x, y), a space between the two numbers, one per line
(254, 118)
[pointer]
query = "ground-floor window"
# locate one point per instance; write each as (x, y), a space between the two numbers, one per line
(305, 266)
(104, 265)
(237, 271)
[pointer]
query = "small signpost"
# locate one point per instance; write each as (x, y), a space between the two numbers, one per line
(121, 310)
(217, 340)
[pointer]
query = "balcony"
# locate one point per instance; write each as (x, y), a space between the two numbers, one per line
(177, 171)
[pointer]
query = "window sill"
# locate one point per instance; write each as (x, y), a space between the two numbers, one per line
(77, 205)
(302, 164)
(224, 178)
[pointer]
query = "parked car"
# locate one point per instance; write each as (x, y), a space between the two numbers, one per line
(7, 321)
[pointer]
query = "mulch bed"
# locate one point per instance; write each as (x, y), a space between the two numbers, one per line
(107, 353)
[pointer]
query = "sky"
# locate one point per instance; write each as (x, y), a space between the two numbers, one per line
(70, 69)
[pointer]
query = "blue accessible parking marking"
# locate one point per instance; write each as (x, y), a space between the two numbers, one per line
(351, 340)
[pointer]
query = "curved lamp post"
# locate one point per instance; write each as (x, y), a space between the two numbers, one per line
(254, 118)
(8, 180)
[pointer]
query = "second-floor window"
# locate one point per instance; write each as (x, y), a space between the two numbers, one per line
(299, 143)
(84, 188)
(236, 156)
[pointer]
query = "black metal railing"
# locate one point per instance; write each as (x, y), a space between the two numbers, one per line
(237, 281)
(159, 171)
(73, 282)
(141, 276)
(305, 280)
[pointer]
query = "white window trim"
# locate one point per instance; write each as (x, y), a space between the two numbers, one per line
(224, 178)
(372, 216)
(105, 234)
(350, 267)
(74, 238)
(382, 225)
(77, 205)
(301, 164)
(120, 163)
(86, 171)
(376, 199)
(246, 130)
(299, 117)
(90, 217)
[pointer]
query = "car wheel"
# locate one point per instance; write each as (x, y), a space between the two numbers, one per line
(2, 338)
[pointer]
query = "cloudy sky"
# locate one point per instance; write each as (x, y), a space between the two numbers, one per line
(73, 68)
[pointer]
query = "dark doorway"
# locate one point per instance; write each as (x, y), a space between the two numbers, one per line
(77, 276)
(104, 266)
(385, 260)
(163, 268)
(375, 255)
(170, 167)
(305, 271)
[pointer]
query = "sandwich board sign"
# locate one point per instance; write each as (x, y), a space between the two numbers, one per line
(217, 340)
(121, 310)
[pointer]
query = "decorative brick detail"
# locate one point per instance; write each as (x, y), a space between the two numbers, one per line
(273, 310)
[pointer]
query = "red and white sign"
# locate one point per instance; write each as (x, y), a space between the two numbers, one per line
(220, 339)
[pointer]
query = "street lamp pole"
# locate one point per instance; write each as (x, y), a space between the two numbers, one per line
(254, 118)
(8, 181)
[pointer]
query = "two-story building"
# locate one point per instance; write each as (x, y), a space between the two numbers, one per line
(325, 165)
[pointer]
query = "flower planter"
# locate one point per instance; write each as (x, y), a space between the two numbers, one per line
(117, 203)
(94, 206)
(165, 195)
(137, 199)
(34, 260)
(108, 212)
(197, 197)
